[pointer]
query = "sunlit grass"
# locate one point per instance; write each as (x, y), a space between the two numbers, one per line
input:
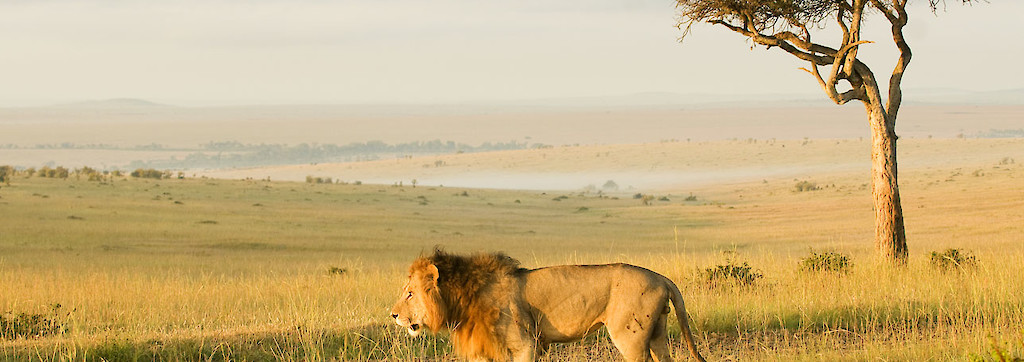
(212, 269)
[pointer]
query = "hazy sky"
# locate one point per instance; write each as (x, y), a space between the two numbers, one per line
(352, 51)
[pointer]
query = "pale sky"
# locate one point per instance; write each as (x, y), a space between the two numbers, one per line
(400, 51)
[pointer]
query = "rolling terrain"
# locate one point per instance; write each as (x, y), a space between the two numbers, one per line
(205, 268)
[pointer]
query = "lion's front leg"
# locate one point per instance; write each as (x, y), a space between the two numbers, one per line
(521, 344)
(520, 339)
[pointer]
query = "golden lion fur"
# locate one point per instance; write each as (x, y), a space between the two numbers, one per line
(496, 310)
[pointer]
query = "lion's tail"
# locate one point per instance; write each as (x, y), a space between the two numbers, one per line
(684, 320)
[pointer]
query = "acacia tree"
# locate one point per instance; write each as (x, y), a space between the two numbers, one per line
(788, 25)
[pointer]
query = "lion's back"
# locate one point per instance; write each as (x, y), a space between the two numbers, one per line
(570, 301)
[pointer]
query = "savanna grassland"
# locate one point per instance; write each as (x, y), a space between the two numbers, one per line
(215, 269)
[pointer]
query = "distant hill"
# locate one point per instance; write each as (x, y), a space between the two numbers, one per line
(115, 103)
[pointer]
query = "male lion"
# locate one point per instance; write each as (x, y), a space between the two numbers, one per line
(496, 310)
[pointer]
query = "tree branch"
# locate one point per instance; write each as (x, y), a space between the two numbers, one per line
(858, 12)
(897, 16)
(830, 86)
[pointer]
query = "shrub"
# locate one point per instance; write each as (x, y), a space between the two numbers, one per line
(802, 186)
(953, 259)
(826, 262)
(59, 172)
(318, 180)
(148, 173)
(6, 173)
(731, 273)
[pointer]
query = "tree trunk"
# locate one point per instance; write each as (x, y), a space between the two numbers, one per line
(890, 236)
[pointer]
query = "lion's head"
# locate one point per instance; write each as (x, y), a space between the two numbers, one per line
(420, 303)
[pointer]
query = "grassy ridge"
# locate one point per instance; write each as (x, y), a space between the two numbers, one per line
(209, 269)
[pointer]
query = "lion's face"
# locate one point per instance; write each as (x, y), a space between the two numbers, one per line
(420, 303)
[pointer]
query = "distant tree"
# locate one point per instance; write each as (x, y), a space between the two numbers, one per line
(788, 25)
(610, 186)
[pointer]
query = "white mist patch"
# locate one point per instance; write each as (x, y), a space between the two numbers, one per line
(625, 181)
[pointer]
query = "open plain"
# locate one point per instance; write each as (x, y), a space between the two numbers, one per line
(249, 269)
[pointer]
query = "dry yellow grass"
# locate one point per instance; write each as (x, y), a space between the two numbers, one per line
(202, 269)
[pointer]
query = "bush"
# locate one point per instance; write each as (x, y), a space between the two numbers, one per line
(59, 172)
(318, 180)
(953, 259)
(802, 186)
(826, 262)
(148, 173)
(731, 273)
(6, 173)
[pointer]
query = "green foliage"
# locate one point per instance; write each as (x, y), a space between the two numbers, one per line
(31, 325)
(6, 173)
(953, 260)
(731, 273)
(802, 186)
(150, 173)
(826, 262)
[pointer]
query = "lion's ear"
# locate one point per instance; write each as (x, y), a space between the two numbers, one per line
(431, 275)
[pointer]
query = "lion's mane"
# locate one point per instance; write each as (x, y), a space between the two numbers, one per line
(471, 293)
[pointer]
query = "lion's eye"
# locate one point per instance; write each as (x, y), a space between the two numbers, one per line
(409, 296)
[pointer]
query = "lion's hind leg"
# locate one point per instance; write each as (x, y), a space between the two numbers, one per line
(631, 333)
(659, 341)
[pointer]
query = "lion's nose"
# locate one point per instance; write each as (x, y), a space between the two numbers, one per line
(393, 315)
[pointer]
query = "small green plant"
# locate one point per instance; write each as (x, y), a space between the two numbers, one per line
(731, 273)
(826, 262)
(953, 259)
(999, 353)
